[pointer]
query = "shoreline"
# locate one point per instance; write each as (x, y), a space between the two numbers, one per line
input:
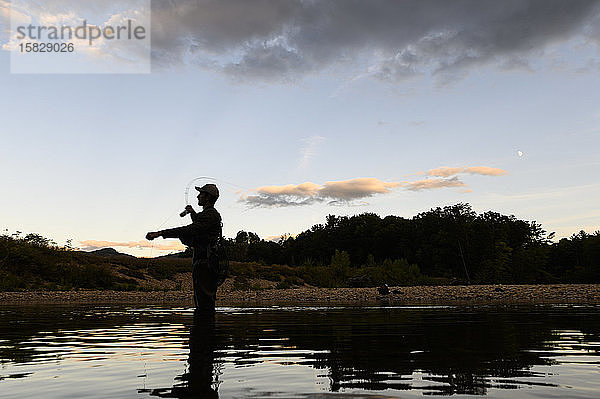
(310, 296)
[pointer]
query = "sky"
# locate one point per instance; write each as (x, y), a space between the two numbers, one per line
(300, 109)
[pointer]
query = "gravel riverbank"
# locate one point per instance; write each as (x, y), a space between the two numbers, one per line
(439, 295)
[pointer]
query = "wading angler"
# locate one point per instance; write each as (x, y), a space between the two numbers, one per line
(203, 236)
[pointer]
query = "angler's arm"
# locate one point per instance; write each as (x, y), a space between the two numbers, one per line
(184, 233)
(202, 227)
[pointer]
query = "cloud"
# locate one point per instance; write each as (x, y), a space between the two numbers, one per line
(446, 171)
(484, 170)
(334, 192)
(288, 195)
(4, 12)
(105, 54)
(5, 24)
(351, 192)
(307, 189)
(353, 189)
(309, 150)
(274, 39)
(90, 245)
(428, 184)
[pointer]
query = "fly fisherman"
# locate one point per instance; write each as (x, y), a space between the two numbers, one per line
(204, 231)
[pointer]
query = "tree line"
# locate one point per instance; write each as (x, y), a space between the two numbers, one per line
(453, 244)
(450, 245)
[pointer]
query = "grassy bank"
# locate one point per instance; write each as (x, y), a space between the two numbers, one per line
(35, 263)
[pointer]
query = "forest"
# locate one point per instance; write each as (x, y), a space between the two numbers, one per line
(452, 244)
(449, 245)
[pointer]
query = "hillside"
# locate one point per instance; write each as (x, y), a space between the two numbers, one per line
(35, 263)
(444, 246)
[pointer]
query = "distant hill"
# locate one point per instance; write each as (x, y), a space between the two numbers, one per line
(33, 263)
(109, 252)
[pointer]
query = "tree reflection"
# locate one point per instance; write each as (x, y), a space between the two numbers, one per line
(435, 351)
(439, 351)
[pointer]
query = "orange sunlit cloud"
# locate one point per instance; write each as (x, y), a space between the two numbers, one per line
(302, 190)
(428, 184)
(91, 245)
(486, 171)
(347, 192)
(308, 192)
(356, 188)
(446, 171)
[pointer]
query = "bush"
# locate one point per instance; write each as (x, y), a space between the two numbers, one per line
(11, 282)
(161, 271)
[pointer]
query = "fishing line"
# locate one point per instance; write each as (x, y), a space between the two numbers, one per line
(189, 199)
(200, 181)
(197, 181)
(158, 228)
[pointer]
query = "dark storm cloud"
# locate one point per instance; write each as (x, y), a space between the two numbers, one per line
(275, 39)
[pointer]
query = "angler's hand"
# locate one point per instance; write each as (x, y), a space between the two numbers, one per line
(152, 235)
(189, 209)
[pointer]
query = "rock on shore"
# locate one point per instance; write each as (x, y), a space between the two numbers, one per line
(421, 295)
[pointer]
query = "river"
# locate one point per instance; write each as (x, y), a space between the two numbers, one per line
(298, 352)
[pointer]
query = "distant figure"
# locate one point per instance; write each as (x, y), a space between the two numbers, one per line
(384, 289)
(205, 230)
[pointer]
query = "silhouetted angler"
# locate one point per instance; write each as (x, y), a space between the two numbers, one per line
(204, 231)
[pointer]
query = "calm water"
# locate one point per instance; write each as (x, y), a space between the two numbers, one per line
(286, 352)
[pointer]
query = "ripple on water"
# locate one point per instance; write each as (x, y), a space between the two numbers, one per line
(400, 351)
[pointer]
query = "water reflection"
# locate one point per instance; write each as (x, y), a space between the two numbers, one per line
(382, 350)
(200, 380)
(290, 352)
